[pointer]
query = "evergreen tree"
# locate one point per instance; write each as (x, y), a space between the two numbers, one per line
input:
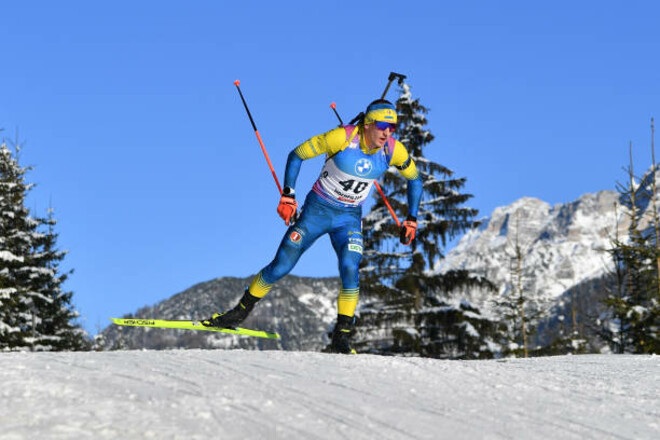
(15, 311)
(632, 323)
(56, 326)
(34, 312)
(406, 307)
(519, 308)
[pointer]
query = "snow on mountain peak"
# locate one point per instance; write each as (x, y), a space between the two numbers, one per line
(560, 245)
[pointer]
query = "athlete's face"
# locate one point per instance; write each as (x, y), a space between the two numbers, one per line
(376, 137)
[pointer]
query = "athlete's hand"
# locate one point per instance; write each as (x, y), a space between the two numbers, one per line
(287, 209)
(408, 230)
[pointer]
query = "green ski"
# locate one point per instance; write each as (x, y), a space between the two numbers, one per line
(191, 325)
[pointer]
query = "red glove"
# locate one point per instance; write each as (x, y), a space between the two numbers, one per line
(408, 230)
(287, 209)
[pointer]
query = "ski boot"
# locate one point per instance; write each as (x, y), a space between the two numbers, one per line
(341, 335)
(235, 316)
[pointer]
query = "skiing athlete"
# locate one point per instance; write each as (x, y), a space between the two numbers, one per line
(357, 155)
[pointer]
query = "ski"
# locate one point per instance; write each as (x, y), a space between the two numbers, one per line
(191, 325)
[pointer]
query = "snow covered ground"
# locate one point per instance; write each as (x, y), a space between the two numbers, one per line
(191, 394)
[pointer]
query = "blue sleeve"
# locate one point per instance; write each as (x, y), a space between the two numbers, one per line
(414, 195)
(292, 169)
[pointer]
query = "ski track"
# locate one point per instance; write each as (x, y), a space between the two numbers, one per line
(195, 394)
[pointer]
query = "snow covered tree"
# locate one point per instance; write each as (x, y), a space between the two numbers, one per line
(519, 308)
(632, 322)
(406, 308)
(15, 312)
(55, 327)
(34, 312)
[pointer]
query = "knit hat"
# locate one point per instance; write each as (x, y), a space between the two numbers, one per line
(380, 110)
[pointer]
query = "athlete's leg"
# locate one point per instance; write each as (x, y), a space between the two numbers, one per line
(346, 239)
(313, 222)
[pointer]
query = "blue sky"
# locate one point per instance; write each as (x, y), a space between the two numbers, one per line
(129, 116)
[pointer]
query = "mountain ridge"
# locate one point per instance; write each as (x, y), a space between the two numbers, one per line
(560, 246)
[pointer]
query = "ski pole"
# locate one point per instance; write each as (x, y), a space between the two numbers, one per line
(333, 106)
(237, 83)
(396, 219)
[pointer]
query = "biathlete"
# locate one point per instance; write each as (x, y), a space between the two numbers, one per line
(357, 155)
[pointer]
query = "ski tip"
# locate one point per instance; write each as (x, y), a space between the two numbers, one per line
(237, 83)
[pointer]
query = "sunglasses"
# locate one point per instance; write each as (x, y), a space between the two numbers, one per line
(385, 125)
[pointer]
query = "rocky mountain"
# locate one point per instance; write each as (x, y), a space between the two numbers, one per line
(302, 310)
(559, 253)
(560, 246)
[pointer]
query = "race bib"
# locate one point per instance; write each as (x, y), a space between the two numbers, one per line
(346, 188)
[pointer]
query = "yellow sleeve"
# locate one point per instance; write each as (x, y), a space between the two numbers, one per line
(403, 162)
(328, 143)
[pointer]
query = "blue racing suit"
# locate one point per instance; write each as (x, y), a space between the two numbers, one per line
(334, 205)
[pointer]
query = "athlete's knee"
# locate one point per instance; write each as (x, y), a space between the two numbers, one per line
(285, 259)
(277, 269)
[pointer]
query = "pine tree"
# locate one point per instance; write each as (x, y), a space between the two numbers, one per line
(15, 311)
(518, 307)
(56, 327)
(632, 324)
(405, 308)
(34, 313)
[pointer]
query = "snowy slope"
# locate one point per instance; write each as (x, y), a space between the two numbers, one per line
(203, 394)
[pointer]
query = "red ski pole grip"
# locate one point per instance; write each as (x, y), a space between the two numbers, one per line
(237, 83)
(333, 105)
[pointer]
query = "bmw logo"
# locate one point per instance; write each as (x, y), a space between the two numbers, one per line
(363, 167)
